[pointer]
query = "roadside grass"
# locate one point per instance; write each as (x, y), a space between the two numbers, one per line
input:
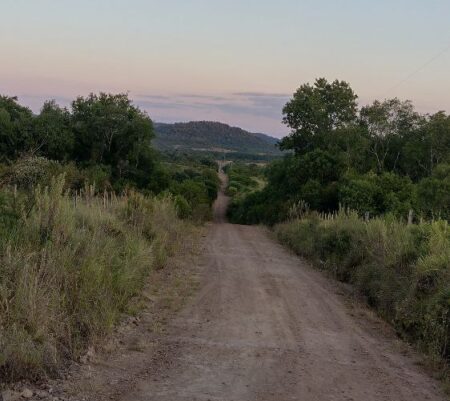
(403, 271)
(69, 266)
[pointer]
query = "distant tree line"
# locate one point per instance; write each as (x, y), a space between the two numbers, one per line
(102, 140)
(104, 132)
(381, 158)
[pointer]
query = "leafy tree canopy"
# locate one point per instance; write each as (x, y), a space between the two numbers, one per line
(315, 110)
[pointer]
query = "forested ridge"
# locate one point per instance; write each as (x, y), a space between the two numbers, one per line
(217, 139)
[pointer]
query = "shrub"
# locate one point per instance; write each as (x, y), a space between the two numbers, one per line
(378, 194)
(29, 172)
(183, 209)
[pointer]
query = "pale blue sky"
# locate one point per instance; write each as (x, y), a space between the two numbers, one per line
(234, 61)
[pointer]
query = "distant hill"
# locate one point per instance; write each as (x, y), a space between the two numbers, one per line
(215, 137)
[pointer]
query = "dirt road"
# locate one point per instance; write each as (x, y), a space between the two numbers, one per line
(265, 326)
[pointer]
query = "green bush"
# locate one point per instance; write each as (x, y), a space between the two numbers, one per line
(434, 193)
(378, 194)
(184, 210)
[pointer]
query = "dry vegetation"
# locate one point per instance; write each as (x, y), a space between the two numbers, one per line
(402, 270)
(69, 266)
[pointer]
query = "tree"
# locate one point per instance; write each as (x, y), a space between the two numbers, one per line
(53, 136)
(315, 111)
(15, 128)
(351, 148)
(110, 130)
(427, 146)
(434, 193)
(438, 128)
(387, 125)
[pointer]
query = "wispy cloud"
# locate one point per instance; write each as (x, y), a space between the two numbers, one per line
(261, 94)
(254, 111)
(160, 97)
(261, 111)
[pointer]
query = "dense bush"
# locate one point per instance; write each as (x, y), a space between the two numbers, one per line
(105, 135)
(243, 178)
(244, 184)
(402, 270)
(195, 184)
(378, 193)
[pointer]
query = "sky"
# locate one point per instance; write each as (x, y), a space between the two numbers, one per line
(235, 61)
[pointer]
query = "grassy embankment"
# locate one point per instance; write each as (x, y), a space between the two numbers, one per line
(69, 266)
(402, 270)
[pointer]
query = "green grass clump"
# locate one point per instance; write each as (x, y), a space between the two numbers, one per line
(402, 270)
(69, 266)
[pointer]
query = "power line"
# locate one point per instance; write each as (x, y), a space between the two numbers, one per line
(416, 71)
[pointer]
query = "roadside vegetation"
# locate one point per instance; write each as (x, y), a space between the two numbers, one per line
(365, 194)
(403, 271)
(69, 267)
(87, 210)
(243, 180)
(194, 182)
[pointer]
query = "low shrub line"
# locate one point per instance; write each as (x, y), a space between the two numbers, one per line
(402, 270)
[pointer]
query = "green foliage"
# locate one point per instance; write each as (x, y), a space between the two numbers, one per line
(15, 129)
(378, 194)
(28, 172)
(317, 110)
(109, 130)
(402, 270)
(184, 209)
(388, 124)
(102, 140)
(105, 135)
(194, 183)
(256, 207)
(10, 213)
(383, 158)
(193, 191)
(244, 182)
(434, 193)
(52, 131)
(243, 178)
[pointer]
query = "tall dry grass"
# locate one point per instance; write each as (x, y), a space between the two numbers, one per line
(402, 270)
(69, 265)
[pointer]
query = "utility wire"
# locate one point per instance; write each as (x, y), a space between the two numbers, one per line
(416, 71)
